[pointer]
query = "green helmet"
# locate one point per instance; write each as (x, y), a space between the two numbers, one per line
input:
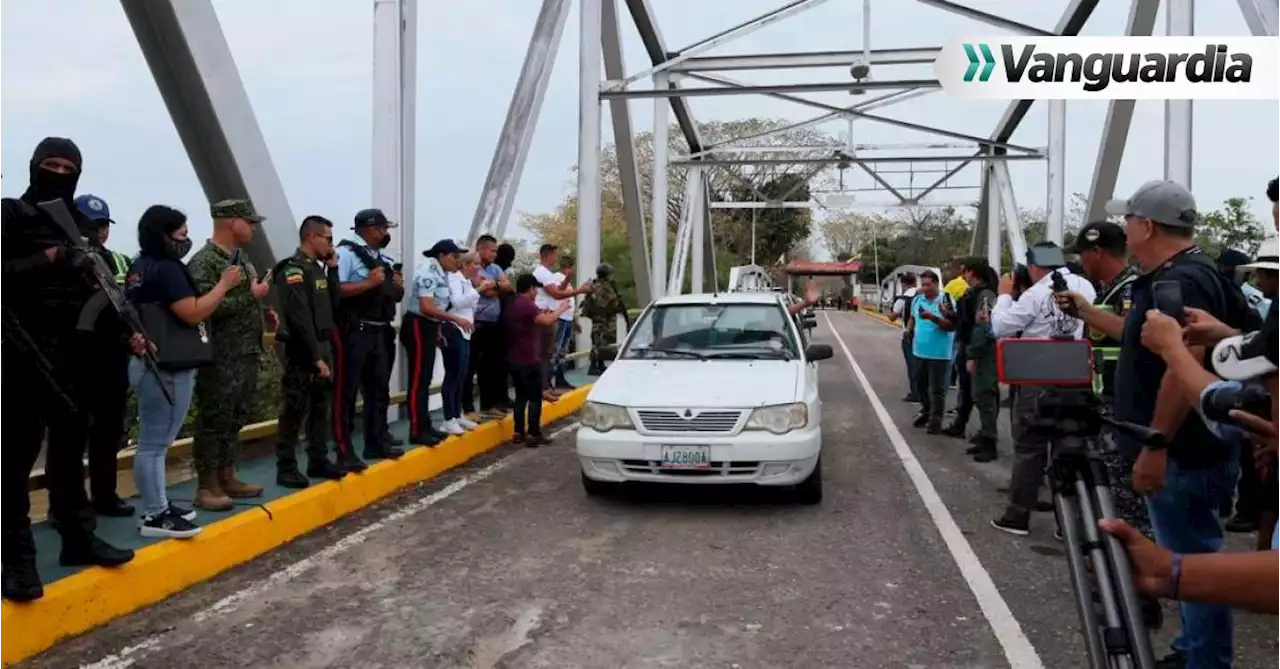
(604, 269)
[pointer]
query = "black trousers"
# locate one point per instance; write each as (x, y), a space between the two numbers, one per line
(964, 389)
(1251, 490)
(528, 409)
(391, 361)
(305, 401)
(106, 406)
(488, 366)
(913, 363)
(931, 388)
(360, 364)
(29, 408)
(418, 335)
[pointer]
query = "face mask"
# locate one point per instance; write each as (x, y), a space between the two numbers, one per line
(386, 241)
(49, 185)
(178, 249)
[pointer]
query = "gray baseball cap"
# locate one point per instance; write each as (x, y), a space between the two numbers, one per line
(1164, 202)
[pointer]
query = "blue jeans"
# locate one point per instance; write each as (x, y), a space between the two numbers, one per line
(1184, 514)
(457, 355)
(158, 425)
(564, 333)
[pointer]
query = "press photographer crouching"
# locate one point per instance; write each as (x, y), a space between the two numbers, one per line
(1240, 394)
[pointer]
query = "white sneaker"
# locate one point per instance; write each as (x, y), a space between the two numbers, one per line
(452, 427)
(467, 423)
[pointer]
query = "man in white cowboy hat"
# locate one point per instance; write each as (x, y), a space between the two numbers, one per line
(1265, 269)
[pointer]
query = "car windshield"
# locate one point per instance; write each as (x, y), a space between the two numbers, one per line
(713, 331)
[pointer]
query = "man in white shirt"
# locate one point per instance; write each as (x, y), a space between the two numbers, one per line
(901, 309)
(556, 286)
(1033, 315)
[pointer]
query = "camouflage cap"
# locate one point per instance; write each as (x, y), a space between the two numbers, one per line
(236, 208)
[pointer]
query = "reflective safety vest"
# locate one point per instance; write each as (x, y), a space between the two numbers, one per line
(120, 263)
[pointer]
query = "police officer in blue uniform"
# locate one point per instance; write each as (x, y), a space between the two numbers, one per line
(369, 294)
(110, 370)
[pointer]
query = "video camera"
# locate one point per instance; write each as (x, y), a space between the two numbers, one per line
(1071, 418)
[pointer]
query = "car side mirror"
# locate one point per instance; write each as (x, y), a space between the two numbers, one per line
(809, 322)
(816, 352)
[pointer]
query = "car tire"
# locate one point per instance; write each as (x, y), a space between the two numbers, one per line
(809, 491)
(596, 488)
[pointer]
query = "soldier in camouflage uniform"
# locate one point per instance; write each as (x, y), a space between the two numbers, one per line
(602, 307)
(980, 356)
(226, 389)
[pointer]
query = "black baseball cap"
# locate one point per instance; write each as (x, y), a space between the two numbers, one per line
(372, 218)
(526, 281)
(442, 248)
(1099, 235)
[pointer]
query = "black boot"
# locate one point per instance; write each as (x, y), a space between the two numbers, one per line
(921, 420)
(288, 476)
(21, 580)
(955, 429)
(984, 450)
(321, 468)
(112, 506)
(351, 464)
(382, 453)
(82, 548)
(428, 439)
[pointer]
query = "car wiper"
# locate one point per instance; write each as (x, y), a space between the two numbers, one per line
(750, 355)
(676, 351)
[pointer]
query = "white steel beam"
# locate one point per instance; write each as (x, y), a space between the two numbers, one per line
(881, 180)
(697, 236)
(704, 91)
(1115, 127)
(809, 59)
(656, 48)
(658, 207)
(709, 241)
(764, 205)
(192, 65)
(684, 234)
(942, 179)
(980, 224)
(988, 18)
(1069, 25)
(837, 158)
(1056, 198)
(1180, 21)
(723, 37)
(1262, 16)
(503, 181)
(995, 221)
(620, 115)
(589, 206)
(1008, 205)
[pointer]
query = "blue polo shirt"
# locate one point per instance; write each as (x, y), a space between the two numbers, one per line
(930, 342)
(350, 269)
(489, 309)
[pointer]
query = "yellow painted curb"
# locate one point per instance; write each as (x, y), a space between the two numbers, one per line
(89, 598)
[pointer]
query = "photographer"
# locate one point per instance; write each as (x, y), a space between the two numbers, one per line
(1035, 315)
(1188, 482)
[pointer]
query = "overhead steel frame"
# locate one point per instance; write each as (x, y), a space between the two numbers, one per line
(196, 74)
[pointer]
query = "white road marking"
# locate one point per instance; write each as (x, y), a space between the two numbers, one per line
(125, 657)
(1017, 647)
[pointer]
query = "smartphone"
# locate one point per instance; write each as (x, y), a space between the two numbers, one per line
(1168, 299)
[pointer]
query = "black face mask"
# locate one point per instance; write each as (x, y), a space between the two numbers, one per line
(386, 241)
(48, 185)
(178, 249)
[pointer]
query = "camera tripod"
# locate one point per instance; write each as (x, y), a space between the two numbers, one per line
(1116, 635)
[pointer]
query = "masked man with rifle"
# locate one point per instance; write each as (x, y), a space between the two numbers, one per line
(49, 279)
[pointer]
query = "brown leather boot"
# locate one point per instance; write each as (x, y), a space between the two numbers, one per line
(234, 487)
(209, 494)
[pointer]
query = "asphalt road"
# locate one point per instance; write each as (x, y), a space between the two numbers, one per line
(507, 563)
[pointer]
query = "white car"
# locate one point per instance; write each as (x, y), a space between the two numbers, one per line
(709, 389)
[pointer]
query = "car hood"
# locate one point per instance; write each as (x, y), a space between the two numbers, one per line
(698, 383)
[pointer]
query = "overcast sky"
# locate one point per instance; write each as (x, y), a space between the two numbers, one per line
(306, 65)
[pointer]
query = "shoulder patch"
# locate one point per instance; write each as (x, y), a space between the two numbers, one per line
(293, 278)
(292, 271)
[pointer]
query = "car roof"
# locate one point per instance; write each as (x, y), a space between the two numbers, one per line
(734, 297)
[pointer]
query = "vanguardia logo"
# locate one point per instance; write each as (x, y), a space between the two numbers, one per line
(1096, 71)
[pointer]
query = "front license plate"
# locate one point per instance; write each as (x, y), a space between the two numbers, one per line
(686, 457)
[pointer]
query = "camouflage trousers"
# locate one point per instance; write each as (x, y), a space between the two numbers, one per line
(1131, 505)
(224, 400)
(604, 332)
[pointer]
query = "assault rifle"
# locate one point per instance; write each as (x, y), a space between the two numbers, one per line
(108, 292)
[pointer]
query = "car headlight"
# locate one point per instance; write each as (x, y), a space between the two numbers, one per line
(604, 417)
(779, 419)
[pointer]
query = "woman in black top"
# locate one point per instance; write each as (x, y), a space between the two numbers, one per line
(159, 277)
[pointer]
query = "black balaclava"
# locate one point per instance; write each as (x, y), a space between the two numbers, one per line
(154, 229)
(47, 185)
(505, 256)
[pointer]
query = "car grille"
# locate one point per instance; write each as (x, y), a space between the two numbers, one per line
(672, 421)
(725, 468)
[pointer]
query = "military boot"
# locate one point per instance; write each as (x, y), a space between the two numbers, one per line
(209, 494)
(984, 450)
(82, 548)
(234, 487)
(21, 580)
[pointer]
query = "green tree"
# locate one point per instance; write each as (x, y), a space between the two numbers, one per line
(1233, 226)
